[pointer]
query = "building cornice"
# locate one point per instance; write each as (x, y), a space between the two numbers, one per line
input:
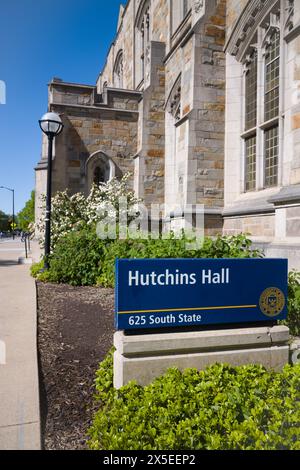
(287, 195)
(70, 84)
(124, 91)
(104, 110)
(248, 211)
(187, 211)
(262, 205)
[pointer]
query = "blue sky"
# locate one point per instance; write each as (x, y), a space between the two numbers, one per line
(39, 40)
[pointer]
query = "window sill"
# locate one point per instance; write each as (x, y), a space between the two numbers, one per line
(264, 126)
(259, 192)
(271, 123)
(249, 133)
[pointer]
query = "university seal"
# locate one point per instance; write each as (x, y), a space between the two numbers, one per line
(272, 302)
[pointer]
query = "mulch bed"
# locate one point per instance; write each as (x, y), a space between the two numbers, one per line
(75, 331)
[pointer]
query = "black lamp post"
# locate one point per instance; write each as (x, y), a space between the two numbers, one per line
(51, 124)
(13, 207)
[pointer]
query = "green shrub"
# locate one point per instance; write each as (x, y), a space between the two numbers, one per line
(76, 259)
(293, 319)
(219, 247)
(43, 276)
(81, 258)
(36, 268)
(220, 408)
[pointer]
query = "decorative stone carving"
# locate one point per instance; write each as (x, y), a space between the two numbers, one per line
(198, 10)
(273, 26)
(290, 8)
(147, 65)
(252, 17)
(175, 105)
(198, 5)
(249, 58)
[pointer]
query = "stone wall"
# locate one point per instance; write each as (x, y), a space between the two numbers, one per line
(195, 175)
(88, 132)
(179, 71)
(293, 222)
(257, 225)
(151, 149)
(209, 100)
(178, 163)
(108, 128)
(161, 21)
(124, 41)
(292, 141)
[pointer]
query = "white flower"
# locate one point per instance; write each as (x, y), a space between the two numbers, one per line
(69, 212)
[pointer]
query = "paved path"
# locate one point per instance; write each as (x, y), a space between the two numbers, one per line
(19, 397)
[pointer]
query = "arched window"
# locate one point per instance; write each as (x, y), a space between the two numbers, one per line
(250, 120)
(118, 70)
(99, 168)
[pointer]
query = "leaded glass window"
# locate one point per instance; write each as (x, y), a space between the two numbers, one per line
(272, 77)
(251, 93)
(262, 105)
(271, 157)
(250, 170)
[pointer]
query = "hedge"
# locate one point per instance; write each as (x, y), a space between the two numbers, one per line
(80, 258)
(220, 408)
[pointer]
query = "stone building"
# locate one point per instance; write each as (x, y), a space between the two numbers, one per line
(200, 101)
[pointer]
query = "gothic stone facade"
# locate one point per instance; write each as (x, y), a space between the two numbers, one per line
(200, 101)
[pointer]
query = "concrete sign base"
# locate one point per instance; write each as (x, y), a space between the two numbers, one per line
(144, 357)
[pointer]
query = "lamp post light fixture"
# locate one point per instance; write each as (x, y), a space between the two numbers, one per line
(13, 208)
(51, 124)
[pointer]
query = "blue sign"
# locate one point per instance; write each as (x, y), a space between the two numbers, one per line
(167, 293)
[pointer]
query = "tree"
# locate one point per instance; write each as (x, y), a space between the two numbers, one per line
(4, 222)
(26, 215)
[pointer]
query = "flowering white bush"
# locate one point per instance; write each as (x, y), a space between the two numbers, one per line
(70, 213)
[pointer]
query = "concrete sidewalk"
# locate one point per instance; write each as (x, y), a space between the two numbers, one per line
(19, 392)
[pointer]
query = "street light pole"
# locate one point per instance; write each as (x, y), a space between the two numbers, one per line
(48, 203)
(51, 124)
(13, 204)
